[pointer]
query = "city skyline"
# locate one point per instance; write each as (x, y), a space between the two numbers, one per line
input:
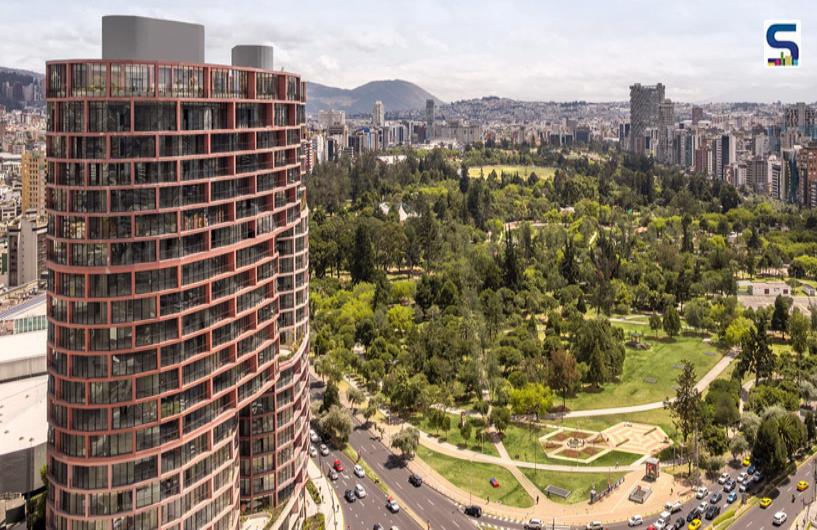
(542, 53)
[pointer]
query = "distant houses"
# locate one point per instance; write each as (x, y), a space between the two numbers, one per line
(770, 289)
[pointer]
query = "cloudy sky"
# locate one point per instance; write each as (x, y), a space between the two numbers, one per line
(703, 50)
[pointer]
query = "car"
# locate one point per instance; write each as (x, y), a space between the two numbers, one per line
(765, 502)
(751, 469)
(415, 480)
(360, 491)
(732, 497)
(757, 477)
(333, 475)
(673, 506)
(802, 485)
(377, 526)
(695, 524)
(324, 450)
(716, 497)
(747, 486)
(742, 477)
(658, 525)
(723, 478)
(747, 461)
(664, 519)
(312, 451)
(679, 523)
(729, 486)
(779, 518)
(702, 507)
(313, 436)
(349, 495)
(635, 520)
(652, 527)
(701, 493)
(533, 524)
(694, 514)
(358, 470)
(473, 511)
(392, 506)
(713, 511)
(338, 465)
(594, 525)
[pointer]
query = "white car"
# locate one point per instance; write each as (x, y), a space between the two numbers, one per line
(312, 451)
(742, 477)
(324, 450)
(533, 524)
(594, 525)
(313, 436)
(359, 491)
(702, 492)
(359, 471)
(673, 506)
(635, 520)
(779, 518)
(703, 506)
(392, 506)
(723, 478)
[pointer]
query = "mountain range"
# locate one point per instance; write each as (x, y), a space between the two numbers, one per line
(396, 95)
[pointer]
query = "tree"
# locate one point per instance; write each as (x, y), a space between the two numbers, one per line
(406, 441)
(361, 263)
(799, 331)
(336, 425)
(466, 430)
(532, 399)
(715, 439)
(737, 331)
(564, 373)
(756, 354)
(500, 417)
(331, 397)
(600, 346)
(811, 428)
(769, 450)
(511, 269)
(686, 409)
(792, 432)
(371, 408)
(355, 397)
(738, 445)
(655, 322)
(672, 322)
(780, 315)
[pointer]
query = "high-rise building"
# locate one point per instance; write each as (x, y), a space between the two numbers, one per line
(666, 124)
(725, 154)
(26, 247)
(378, 114)
(32, 173)
(697, 115)
(801, 117)
(644, 114)
(429, 119)
(178, 289)
(808, 164)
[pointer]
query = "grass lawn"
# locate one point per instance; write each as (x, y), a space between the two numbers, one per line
(453, 435)
(524, 171)
(579, 484)
(657, 364)
(659, 417)
(474, 476)
(522, 446)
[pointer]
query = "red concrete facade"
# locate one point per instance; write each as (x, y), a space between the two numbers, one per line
(178, 294)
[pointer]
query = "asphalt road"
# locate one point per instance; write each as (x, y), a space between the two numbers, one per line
(759, 518)
(365, 512)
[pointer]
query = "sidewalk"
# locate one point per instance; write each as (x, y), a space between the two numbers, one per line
(329, 506)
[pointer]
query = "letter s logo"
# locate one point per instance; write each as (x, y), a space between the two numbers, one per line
(786, 44)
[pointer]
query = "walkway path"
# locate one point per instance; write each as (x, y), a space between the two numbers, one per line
(329, 506)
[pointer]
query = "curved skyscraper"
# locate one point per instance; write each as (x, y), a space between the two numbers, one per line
(178, 284)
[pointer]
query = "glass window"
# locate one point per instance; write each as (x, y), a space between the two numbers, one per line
(132, 80)
(229, 83)
(154, 116)
(111, 116)
(88, 79)
(188, 81)
(90, 477)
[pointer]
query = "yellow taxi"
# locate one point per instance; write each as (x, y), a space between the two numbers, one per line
(765, 502)
(747, 461)
(802, 485)
(694, 525)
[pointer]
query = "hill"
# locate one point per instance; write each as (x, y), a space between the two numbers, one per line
(395, 94)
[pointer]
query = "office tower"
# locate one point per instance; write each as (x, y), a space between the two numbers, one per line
(26, 245)
(32, 173)
(178, 288)
(666, 124)
(808, 163)
(791, 176)
(644, 114)
(757, 175)
(725, 154)
(429, 119)
(777, 185)
(378, 114)
(697, 115)
(802, 118)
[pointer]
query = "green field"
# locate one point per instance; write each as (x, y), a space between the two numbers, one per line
(659, 365)
(453, 435)
(659, 417)
(524, 171)
(579, 484)
(473, 477)
(521, 445)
